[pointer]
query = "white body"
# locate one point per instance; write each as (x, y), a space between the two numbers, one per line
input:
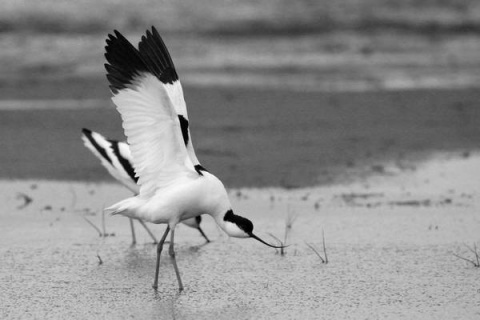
(185, 198)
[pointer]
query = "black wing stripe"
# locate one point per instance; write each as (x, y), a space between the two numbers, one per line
(127, 166)
(184, 127)
(199, 168)
(102, 151)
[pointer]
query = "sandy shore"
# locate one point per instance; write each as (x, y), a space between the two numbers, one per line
(390, 242)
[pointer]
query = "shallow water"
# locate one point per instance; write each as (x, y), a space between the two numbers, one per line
(252, 137)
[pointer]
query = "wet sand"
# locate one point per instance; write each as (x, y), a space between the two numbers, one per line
(390, 242)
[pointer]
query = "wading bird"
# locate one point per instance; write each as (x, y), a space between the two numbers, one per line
(115, 156)
(173, 185)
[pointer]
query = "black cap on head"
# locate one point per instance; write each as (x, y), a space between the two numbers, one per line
(243, 223)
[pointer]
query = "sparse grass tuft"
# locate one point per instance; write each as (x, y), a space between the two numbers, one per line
(101, 232)
(324, 259)
(476, 259)
(282, 250)
(100, 261)
(289, 220)
(74, 197)
(93, 226)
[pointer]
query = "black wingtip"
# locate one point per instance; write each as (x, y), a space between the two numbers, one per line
(123, 62)
(155, 54)
(86, 131)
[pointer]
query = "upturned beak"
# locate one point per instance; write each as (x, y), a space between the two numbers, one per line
(265, 243)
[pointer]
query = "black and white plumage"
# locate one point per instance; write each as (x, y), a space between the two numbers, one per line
(173, 185)
(115, 156)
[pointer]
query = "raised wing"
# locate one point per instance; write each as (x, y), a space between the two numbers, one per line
(154, 52)
(115, 156)
(152, 126)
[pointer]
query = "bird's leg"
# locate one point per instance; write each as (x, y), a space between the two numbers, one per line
(134, 239)
(159, 251)
(198, 220)
(148, 230)
(203, 233)
(171, 251)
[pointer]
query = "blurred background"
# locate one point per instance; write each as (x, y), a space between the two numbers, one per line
(305, 44)
(280, 92)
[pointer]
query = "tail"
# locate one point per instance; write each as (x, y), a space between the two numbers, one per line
(128, 207)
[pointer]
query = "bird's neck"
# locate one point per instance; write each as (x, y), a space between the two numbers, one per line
(219, 219)
(218, 200)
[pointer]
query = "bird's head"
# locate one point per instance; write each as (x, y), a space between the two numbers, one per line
(240, 227)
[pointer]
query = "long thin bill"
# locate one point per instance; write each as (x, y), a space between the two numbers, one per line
(268, 244)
